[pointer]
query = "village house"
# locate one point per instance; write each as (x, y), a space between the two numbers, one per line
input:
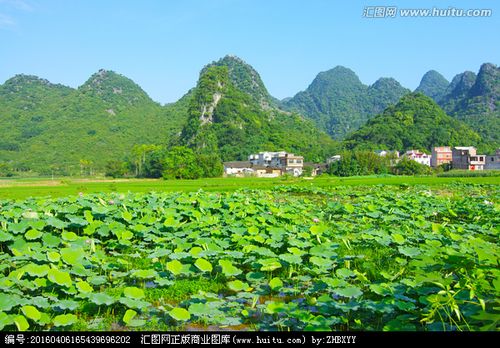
(418, 157)
(384, 153)
(493, 161)
(332, 159)
(238, 168)
(266, 165)
(441, 155)
(288, 163)
(465, 157)
(317, 168)
(246, 168)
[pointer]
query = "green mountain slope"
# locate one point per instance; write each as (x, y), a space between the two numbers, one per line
(339, 103)
(475, 100)
(415, 122)
(245, 78)
(52, 128)
(433, 85)
(457, 90)
(232, 122)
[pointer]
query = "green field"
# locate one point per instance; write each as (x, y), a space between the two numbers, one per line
(317, 255)
(23, 188)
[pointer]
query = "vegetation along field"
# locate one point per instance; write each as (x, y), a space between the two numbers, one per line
(393, 257)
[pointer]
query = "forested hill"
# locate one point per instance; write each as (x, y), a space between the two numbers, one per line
(232, 115)
(415, 122)
(339, 103)
(50, 128)
(433, 85)
(475, 100)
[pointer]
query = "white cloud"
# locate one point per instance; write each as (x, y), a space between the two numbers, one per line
(21, 5)
(6, 21)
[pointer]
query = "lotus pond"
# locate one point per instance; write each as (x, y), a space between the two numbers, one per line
(290, 258)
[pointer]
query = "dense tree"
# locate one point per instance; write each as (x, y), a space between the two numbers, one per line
(5, 170)
(211, 165)
(360, 163)
(116, 169)
(153, 164)
(409, 167)
(180, 162)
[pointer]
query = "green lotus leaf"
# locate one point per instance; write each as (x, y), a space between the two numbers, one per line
(31, 312)
(237, 285)
(36, 270)
(56, 223)
(50, 240)
(350, 291)
(144, 274)
(345, 273)
(398, 238)
(21, 323)
(180, 314)
(321, 262)
(30, 215)
(127, 216)
(84, 287)
(64, 320)
(409, 251)
(53, 256)
(101, 299)
(175, 267)
(195, 251)
(33, 234)
(203, 265)
(5, 237)
(134, 292)
(291, 259)
(276, 284)
(66, 305)
(5, 320)
(134, 303)
(129, 315)
(72, 256)
(229, 269)
(69, 236)
(18, 228)
(269, 265)
(59, 277)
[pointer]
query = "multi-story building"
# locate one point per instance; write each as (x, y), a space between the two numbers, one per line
(419, 157)
(493, 161)
(465, 157)
(441, 155)
(287, 162)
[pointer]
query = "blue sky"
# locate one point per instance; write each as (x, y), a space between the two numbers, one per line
(163, 44)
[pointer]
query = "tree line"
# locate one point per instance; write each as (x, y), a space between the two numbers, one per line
(155, 161)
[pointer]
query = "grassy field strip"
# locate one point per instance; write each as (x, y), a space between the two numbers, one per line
(19, 189)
